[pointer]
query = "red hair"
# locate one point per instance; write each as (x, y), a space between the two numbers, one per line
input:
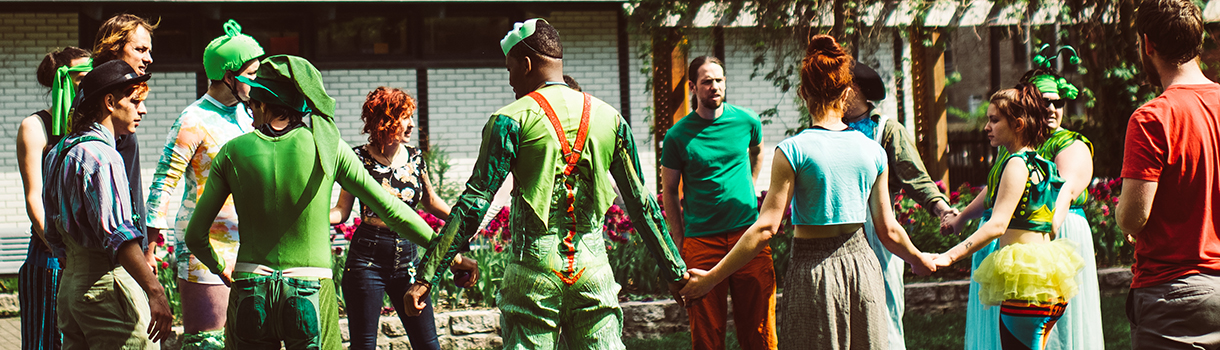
(825, 74)
(1025, 110)
(383, 113)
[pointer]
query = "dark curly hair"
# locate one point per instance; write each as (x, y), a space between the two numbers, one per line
(825, 74)
(1025, 110)
(383, 113)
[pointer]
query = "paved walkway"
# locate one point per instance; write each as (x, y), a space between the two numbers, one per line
(10, 333)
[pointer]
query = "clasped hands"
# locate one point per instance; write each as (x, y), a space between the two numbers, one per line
(416, 298)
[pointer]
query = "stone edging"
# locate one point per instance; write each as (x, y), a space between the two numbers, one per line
(475, 329)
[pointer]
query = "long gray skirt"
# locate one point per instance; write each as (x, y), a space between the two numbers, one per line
(834, 296)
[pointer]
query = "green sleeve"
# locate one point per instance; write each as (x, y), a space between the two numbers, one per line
(642, 206)
(215, 192)
(907, 167)
(497, 156)
(352, 176)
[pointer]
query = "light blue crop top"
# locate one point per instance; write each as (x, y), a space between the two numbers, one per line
(835, 173)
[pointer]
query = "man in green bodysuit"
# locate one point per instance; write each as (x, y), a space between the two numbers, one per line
(281, 176)
(558, 278)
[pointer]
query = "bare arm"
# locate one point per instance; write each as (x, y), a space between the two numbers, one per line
(756, 159)
(671, 180)
(1134, 206)
(343, 208)
(1075, 165)
(890, 232)
(433, 203)
(31, 140)
(756, 237)
(1012, 185)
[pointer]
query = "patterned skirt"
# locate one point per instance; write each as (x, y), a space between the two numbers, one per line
(38, 281)
(834, 296)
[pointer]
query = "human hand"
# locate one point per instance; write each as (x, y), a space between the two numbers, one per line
(951, 222)
(465, 272)
(416, 299)
(675, 289)
(162, 322)
(699, 285)
(941, 260)
(924, 265)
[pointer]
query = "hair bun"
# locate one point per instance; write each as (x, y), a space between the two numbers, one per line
(823, 44)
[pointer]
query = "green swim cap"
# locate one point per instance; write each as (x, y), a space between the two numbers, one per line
(521, 30)
(229, 52)
(1049, 84)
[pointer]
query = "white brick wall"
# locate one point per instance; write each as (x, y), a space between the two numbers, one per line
(460, 99)
(24, 39)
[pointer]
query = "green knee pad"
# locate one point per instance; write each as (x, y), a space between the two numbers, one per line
(209, 340)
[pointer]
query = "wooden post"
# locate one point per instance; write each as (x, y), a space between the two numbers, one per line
(670, 99)
(928, 85)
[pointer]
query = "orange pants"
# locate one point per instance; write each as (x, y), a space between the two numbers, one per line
(753, 289)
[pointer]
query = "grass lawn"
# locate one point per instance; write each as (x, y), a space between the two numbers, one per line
(945, 331)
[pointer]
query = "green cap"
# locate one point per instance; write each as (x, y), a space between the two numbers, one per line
(521, 30)
(293, 82)
(229, 52)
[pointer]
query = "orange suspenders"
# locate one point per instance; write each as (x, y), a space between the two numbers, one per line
(571, 154)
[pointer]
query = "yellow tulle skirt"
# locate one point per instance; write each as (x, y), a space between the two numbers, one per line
(1033, 272)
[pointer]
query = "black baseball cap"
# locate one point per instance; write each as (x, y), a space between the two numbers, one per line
(105, 78)
(868, 80)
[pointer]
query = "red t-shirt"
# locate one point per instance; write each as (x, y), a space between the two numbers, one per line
(1174, 140)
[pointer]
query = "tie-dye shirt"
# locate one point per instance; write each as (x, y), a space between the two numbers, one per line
(87, 196)
(193, 141)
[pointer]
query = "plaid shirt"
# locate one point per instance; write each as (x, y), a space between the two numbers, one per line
(87, 197)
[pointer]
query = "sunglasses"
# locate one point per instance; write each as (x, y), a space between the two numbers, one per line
(1057, 104)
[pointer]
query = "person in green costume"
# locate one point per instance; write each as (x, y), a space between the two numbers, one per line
(282, 174)
(1072, 153)
(200, 131)
(558, 278)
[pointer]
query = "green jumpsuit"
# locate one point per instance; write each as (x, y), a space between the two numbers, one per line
(558, 277)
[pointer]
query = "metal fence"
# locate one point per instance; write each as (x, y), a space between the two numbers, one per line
(970, 157)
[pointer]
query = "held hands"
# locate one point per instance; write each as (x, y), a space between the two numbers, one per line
(465, 272)
(951, 222)
(942, 260)
(675, 289)
(924, 266)
(698, 285)
(416, 299)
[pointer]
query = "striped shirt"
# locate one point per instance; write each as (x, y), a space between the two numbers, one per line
(87, 197)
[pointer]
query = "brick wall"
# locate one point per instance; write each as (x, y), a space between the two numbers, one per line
(24, 39)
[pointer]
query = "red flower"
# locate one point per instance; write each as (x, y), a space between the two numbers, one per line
(169, 249)
(165, 264)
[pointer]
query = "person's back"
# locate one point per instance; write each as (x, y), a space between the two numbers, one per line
(538, 187)
(835, 172)
(1174, 140)
(279, 180)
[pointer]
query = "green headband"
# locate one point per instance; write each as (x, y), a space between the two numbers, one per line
(1049, 84)
(63, 92)
(521, 30)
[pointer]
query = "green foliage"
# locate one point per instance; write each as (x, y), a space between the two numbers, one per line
(1109, 243)
(975, 119)
(438, 168)
(167, 274)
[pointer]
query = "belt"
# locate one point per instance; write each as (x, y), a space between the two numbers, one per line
(296, 272)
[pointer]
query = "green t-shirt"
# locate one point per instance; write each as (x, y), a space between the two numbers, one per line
(714, 158)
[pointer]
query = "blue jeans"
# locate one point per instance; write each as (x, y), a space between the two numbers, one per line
(379, 263)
